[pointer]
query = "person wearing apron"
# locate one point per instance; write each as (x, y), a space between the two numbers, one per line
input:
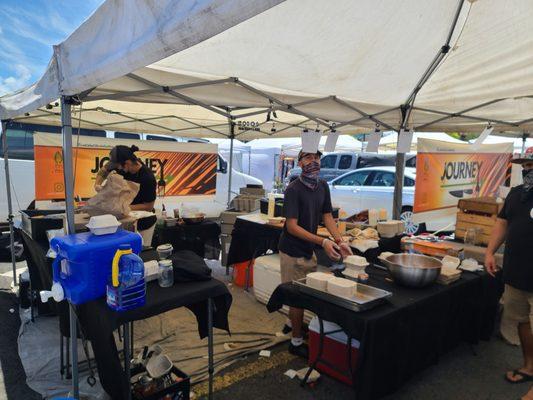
(124, 162)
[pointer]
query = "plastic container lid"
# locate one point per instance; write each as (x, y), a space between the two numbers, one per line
(356, 260)
(165, 263)
(165, 247)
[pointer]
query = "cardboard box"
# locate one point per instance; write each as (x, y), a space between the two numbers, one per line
(253, 191)
(226, 229)
(229, 216)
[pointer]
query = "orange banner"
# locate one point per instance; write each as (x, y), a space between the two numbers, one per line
(183, 173)
(442, 178)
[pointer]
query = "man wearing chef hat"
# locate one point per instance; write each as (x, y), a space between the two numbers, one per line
(307, 200)
(515, 226)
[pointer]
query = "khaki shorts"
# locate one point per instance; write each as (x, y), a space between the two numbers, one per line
(518, 306)
(293, 268)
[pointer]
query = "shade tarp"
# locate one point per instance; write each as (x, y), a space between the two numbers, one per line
(390, 141)
(351, 64)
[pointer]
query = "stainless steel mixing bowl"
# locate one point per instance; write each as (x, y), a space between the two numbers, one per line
(413, 270)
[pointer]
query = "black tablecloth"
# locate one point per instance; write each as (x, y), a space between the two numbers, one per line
(98, 322)
(203, 238)
(251, 239)
(411, 331)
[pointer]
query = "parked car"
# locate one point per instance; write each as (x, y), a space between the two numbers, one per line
(334, 165)
(373, 187)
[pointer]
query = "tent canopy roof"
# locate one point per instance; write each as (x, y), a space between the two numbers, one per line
(457, 64)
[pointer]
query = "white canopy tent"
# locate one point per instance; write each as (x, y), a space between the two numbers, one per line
(219, 67)
(519, 145)
(390, 141)
(344, 143)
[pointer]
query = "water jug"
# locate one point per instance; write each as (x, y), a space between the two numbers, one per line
(126, 288)
(83, 263)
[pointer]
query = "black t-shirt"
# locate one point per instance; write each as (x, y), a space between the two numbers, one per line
(517, 262)
(307, 206)
(148, 185)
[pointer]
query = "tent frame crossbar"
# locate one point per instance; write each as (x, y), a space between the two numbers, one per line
(461, 114)
(406, 109)
(286, 107)
(360, 112)
(154, 89)
(189, 100)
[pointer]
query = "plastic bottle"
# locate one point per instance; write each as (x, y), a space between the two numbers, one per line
(373, 215)
(341, 223)
(271, 205)
(126, 288)
(166, 273)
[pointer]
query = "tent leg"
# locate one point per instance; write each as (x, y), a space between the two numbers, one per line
(524, 138)
(9, 204)
(68, 171)
(398, 186)
(230, 172)
(66, 130)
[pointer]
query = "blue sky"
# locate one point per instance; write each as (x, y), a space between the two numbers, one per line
(28, 30)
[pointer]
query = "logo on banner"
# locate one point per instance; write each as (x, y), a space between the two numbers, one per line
(443, 177)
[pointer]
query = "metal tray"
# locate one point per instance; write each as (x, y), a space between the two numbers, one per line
(367, 297)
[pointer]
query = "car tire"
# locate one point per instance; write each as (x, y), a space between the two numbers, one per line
(411, 227)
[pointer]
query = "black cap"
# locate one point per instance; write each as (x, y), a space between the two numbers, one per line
(302, 153)
(120, 154)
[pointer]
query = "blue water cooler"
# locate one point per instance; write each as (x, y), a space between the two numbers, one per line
(83, 263)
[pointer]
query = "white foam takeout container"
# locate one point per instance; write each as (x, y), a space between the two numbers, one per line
(103, 224)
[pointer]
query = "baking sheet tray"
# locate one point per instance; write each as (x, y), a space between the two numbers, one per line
(367, 297)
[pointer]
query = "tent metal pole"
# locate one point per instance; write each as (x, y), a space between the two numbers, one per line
(398, 187)
(230, 172)
(68, 170)
(66, 130)
(9, 203)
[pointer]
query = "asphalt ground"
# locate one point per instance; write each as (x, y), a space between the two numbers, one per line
(459, 375)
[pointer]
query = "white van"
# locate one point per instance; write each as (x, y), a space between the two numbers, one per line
(22, 171)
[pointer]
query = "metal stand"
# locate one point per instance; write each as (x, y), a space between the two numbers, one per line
(210, 369)
(524, 139)
(68, 174)
(74, 352)
(127, 358)
(9, 204)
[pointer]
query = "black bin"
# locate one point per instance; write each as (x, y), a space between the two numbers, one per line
(177, 391)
